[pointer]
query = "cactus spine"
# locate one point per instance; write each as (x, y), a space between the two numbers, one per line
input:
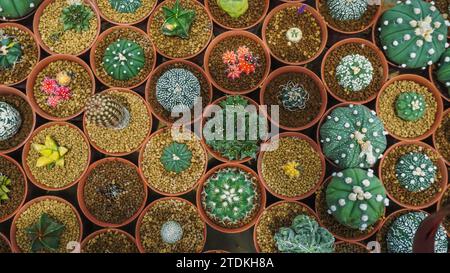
(105, 110)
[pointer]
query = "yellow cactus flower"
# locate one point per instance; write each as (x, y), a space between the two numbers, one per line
(291, 169)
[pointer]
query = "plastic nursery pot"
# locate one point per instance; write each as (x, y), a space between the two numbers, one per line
(80, 193)
(372, 22)
(206, 114)
(144, 212)
(155, 72)
(446, 112)
(202, 210)
(37, 18)
(365, 43)
(24, 29)
(255, 233)
(141, 160)
(32, 81)
(102, 36)
(5, 240)
(23, 17)
(297, 70)
(434, 91)
(224, 36)
(13, 230)
(435, 82)
(440, 165)
(103, 151)
(314, 13)
(101, 231)
(104, 17)
(27, 148)
(25, 188)
(260, 19)
(5, 90)
(313, 189)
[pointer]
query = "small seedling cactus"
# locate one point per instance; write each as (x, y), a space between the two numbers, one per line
(176, 157)
(400, 235)
(294, 35)
(304, 236)
(415, 171)
(105, 110)
(45, 234)
(413, 34)
(353, 136)
(354, 72)
(76, 16)
(292, 169)
(234, 8)
(125, 6)
(56, 89)
(123, 59)
(13, 9)
(178, 89)
(293, 96)
(356, 198)
(51, 153)
(344, 10)
(10, 52)
(178, 21)
(10, 121)
(112, 190)
(171, 232)
(230, 196)
(5, 182)
(240, 61)
(410, 106)
(443, 71)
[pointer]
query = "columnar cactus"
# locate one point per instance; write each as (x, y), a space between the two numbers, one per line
(178, 20)
(234, 8)
(125, 6)
(356, 198)
(177, 89)
(45, 234)
(105, 110)
(410, 106)
(76, 16)
(354, 72)
(443, 71)
(5, 182)
(13, 9)
(176, 157)
(123, 59)
(304, 236)
(343, 10)
(51, 154)
(10, 51)
(293, 97)
(413, 34)
(415, 171)
(171, 232)
(400, 236)
(10, 121)
(353, 136)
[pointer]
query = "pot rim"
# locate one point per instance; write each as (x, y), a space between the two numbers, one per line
(104, 230)
(111, 21)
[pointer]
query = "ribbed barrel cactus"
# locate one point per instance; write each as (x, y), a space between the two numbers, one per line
(125, 6)
(413, 34)
(410, 106)
(10, 121)
(415, 171)
(15, 9)
(353, 136)
(354, 72)
(443, 71)
(293, 96)
(105, 110)
(10, 51)
(171, 232)
(178, 20)
(343, 10)
(123, 59)
(176, 157)
(356, 198)
(45, 234)
(234, 8)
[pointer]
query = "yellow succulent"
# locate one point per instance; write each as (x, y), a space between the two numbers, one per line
(63, 78)
(291, 169)
(51, 154)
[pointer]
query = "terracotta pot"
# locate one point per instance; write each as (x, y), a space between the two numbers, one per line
(224, 36)
(255, 233)
(5, 240)
(207, 112)
(203, 214)
(141, 163)
(104, 17)
(435, 82)
(101, 150)
(313, 189)
(37, 18)
(446, 113)
(440, 165)
(24, 29)
(101, 231)
(364, 42)
(358, 244)
(32, 82)
(267, 4)
(314, 13)
(424, 82)
(372, 22)
(144, 212)
(299, 70)
(216, 251)
(161, 67)
(5, 90)
(105, 34)
(163, 4)
(440, 205)
(80, 193)
(14, 244)
(27, 147)
(25, 188)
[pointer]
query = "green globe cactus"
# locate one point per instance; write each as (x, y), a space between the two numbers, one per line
(10, 51)
(10, 121)
(343, 10)
(234, 8)
(176, 157)
(415, 171)
(353, 136)
(413, 34)
(13, 9)
(125, 6)
(5, 182)
(400, 235)
(45, 234)
(76, 16)
(304, 236)
(177, 89)
(293, 97)
(356, 198)
(443, 71)
(171, 232)
(178, 21)
(410, 106)
(105, 110)
(354, 72)
(123, 59)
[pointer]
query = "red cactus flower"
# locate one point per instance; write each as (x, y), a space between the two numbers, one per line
(63, 92)
(234, 72)
(246, 67)
(242, 51)
(229, 57)
(48, 85)
(53, 101)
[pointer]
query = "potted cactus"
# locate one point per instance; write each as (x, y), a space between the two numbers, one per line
(125, 12)
(19, 53)
(109, 240)
(117, 121)
(440, 75)
(180, 28)
(12, 10)
(13, 187)
(441, 137)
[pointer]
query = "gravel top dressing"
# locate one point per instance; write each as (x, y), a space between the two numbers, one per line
(346, 247)
(110, 241)
(4, 247)
(444, 202)
(16, 188)
(442, 137)
(125, 17)
(251, 16)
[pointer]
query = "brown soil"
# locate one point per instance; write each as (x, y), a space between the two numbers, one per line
(254, 12)
(442, 137)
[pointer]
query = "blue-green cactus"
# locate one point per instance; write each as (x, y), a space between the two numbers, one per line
(343, 10)
(354, 72)
(410, 106)
(171, 232)
(293, 97)
(123, 59)
(125, 6)
(10, 121)
(176, 157)
(415, 171)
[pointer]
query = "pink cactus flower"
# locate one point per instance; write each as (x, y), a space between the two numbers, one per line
(234, 72)
(48, 85)
(63, 92)
(229, 57)
(53, 101)
(242, 51)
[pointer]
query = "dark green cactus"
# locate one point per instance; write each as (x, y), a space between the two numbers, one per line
(10, 51)
(125, 6)
(176, 157)
(123, 59)
(415, 171)
(178, 21)
(293, 97)
(76, 16)
(443, 71)
(410, 106)
(15, 9)
(45, 234)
